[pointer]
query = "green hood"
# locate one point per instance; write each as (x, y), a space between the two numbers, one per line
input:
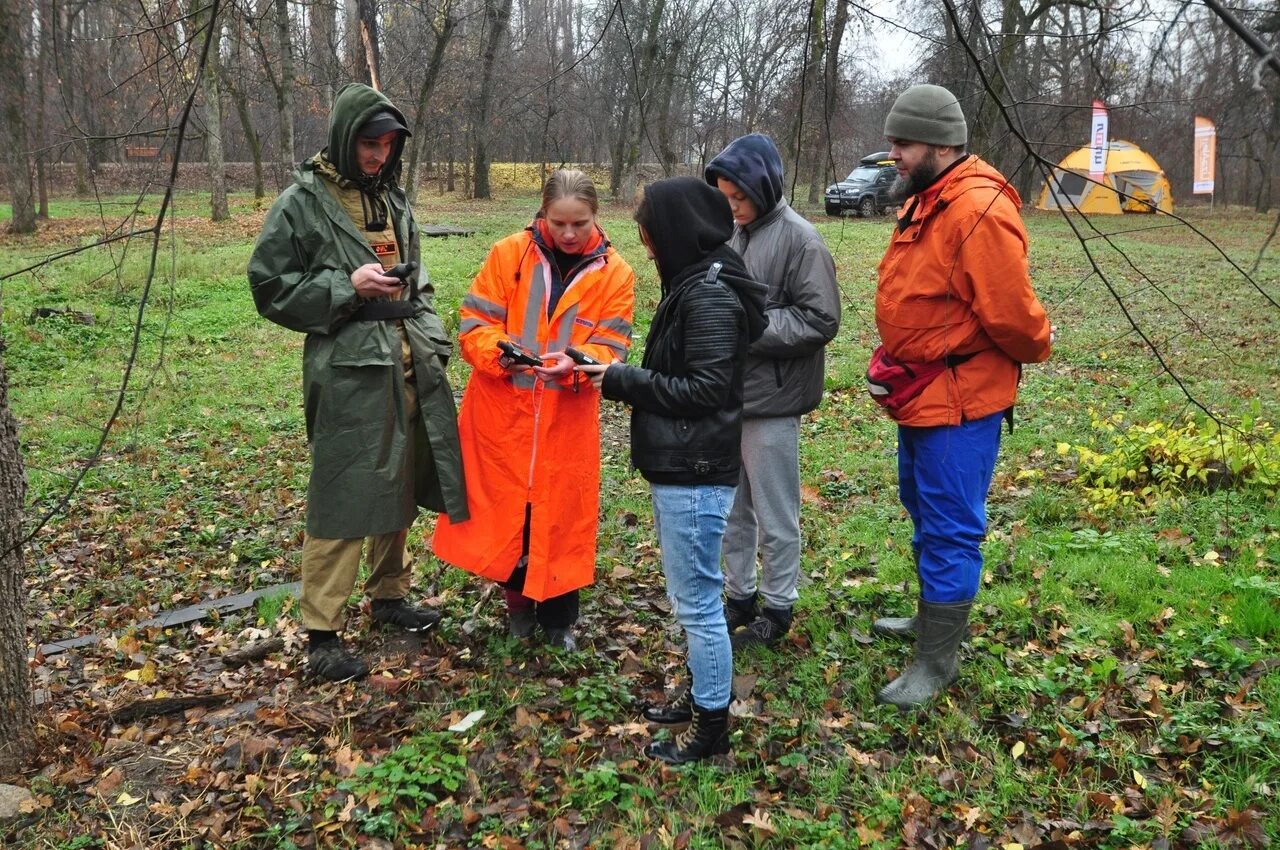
(355, 104)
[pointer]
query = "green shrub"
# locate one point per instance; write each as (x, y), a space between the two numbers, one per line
(1149, 464)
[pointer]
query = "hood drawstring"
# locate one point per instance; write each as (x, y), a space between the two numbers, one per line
(520, 263)
(374, 209)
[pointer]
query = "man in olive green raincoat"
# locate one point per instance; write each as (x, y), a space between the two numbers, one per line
(380, 414)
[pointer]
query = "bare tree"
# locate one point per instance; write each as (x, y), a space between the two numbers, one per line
(15, 676)
(322, 49)
(442, 21)
(15, 20)
(285, 93)
(43, 59)
(367, 20)
(638, 64)
(204, 18)
(233, 80)
(497, 16)
(822, 168)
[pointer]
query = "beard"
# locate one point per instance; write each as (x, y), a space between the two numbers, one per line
(917, 180)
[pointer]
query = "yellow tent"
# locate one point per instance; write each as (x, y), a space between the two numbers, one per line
(1133, 183)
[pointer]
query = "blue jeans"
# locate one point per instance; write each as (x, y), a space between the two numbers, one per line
(690, 519)
(943, 477)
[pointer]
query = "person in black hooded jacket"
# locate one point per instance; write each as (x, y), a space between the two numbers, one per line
(686, 424)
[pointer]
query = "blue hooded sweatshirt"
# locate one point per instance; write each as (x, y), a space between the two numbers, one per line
(753, 164)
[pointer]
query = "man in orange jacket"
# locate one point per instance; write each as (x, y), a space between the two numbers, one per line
(954, 294)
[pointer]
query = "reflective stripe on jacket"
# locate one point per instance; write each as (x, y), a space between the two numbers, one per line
(955, 281)
(527, 441)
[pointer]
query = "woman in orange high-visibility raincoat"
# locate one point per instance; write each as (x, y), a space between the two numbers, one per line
(531, 435)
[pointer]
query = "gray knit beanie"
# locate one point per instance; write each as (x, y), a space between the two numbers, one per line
(928, 114)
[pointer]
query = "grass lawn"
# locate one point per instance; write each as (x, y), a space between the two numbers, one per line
(1120, 688)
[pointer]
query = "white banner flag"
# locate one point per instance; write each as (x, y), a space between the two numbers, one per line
(1098, 142)
(1205, 152)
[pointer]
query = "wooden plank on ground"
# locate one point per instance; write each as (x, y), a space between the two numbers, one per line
(181, 616)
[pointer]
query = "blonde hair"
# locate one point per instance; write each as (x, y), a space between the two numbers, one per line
(570, 183)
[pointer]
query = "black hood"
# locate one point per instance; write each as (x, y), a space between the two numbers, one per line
(686, 220)
(688, 224)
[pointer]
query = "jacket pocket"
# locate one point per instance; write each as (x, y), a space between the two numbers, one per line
(426, 330)
(921, 313)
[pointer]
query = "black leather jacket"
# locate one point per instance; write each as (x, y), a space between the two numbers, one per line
(686, 396)
(686, 422)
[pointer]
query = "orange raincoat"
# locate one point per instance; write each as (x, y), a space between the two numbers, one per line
(954, 281)
(525, 441)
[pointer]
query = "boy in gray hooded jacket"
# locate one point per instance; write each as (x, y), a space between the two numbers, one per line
(784, 380)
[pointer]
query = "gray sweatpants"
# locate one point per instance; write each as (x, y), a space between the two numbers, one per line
(766, 514)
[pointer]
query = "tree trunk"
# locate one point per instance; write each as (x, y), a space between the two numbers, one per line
(369, 39)
(451, 174)
(324, 47)
(667, 155)
(417, 141)
(13, 93)
(250, 136)
(63, 23)
(803, 134)
(643, 95)
(823, 164)
(42, 64)
(284, 94)
(356, 64)
(232, 79)
(498, 14)
(15, 676)
(213, 124)
(618, 154)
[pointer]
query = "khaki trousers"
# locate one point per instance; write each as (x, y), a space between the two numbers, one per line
(330, 565)
(329, 569)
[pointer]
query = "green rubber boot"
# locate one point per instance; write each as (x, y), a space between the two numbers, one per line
(941, 626)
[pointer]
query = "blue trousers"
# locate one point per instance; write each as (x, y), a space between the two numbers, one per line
(690, 521)
(943, 477)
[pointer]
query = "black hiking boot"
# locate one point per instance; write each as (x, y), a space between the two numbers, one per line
(675, 712)
(521, 622)
(766, 630)
(401, 615)
(707, 735)
(522, 617)
(739, 612)
(330, 662)
(562, 639)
